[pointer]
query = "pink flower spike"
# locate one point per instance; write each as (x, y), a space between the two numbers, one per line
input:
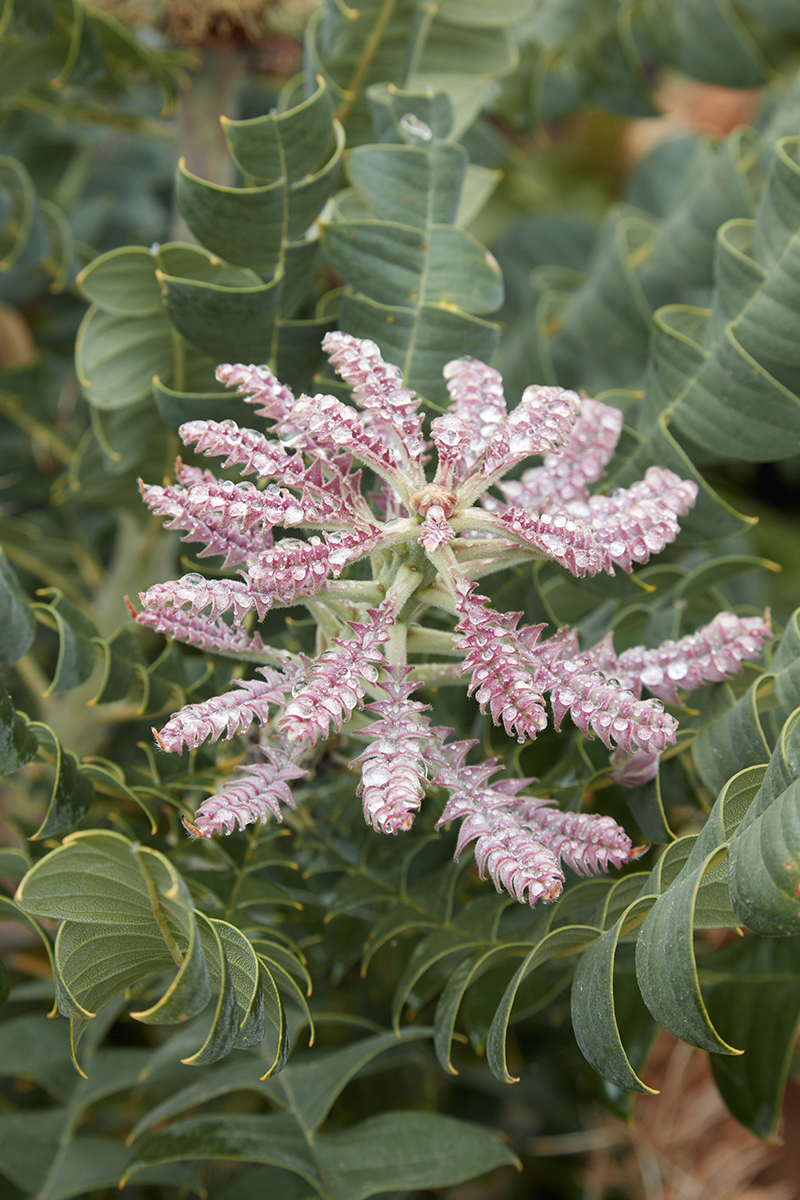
(197, 594)
(215, 637)
(501, 677)
(246, 448)
(255, 798)
(478, 404)
(392, 767)
(336, 428)
(540, 424)
(584, 841)
(378, 387)
(228, 714)
(260, 387)
(620, 530)
(562, 479)
(202, 524)
(332, 689)
(603, 707)
(710, 655)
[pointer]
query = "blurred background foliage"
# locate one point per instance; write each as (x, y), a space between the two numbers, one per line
(594, 193)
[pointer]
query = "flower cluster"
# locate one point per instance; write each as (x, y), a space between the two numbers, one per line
(428, 541)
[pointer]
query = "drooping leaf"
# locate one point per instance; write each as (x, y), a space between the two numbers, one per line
(755, 1002)
(18, 627)
(594, 1017)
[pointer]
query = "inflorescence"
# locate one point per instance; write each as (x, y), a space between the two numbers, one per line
(428, 543)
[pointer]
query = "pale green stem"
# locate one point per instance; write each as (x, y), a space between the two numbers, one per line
(477, 518)
(431, 641)
(438, 674)
(359, 591)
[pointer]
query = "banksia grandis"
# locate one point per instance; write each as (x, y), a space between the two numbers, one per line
(427, 537)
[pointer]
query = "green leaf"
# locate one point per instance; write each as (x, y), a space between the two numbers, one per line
(127, 920)
(5, 984)
(697, 897)
(409, 185)
(224, 1029)
(734, 740)
(711, 516)
(594, 1017)
(566, 941)
(276, 1139)
(438, 945)
(290, 143)
(354, 49)
(116, 357)
(10, 911)
(123, 665)
(233, 323)
(177, 407)
(709, 41)
(18, 744)
(18, 626)
(729, 395)
(72, 795)
(408, 1150)
(307, 1087)
(755, 1002)
(19, 189)
(123, 282)
(394, 263)
(28, 1142)
(248, 225)
(77, 635)
(35, 1048)
(647, 807)
(764, 868)
(413, 279)
(665, 963)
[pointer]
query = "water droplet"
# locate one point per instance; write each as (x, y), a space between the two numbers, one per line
(411, 124)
